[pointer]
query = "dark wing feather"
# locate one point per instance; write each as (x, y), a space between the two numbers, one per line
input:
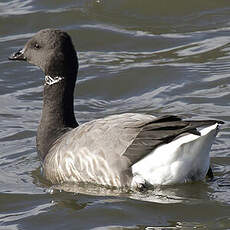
(161, 131)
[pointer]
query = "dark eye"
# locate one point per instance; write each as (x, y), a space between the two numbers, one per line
(36, 46)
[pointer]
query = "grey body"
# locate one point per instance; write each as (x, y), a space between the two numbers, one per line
(102, 151)
(94, 151)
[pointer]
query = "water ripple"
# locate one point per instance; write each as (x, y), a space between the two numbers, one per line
(8, 218)
(16, 37)
(156, 57)
(15, 7)
(116, 29)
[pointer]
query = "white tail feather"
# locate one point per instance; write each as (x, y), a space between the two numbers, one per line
(182, 160)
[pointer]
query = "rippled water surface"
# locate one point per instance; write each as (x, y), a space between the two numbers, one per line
(170, 57)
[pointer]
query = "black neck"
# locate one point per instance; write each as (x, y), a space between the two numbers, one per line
(57, 114)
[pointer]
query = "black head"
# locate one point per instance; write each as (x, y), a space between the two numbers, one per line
(52, 50)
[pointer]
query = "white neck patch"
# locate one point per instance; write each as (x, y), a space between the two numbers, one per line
(52, 80)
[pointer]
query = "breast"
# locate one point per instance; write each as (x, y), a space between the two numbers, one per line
(80, 158)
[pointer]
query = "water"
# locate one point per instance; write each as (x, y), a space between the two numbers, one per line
(155, 57)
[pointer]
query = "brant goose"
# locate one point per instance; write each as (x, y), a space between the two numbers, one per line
(126, 150)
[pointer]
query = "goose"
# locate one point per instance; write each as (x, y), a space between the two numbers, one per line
(124, 150)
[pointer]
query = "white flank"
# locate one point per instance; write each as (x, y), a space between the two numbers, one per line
(182, 160)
